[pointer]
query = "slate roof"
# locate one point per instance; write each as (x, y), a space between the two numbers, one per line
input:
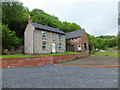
(74, 34)
(46, 28)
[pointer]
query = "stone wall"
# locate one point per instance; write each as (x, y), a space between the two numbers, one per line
(38, 42)
(28, 39)
(37, 61)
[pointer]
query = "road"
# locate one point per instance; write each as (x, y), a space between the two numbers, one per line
(56, 76)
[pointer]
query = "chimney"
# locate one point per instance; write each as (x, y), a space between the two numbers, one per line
(29, 19)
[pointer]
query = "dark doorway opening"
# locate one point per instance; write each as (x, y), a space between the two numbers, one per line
(85, 45)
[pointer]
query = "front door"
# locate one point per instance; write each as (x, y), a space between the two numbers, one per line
(79, 48)
(53, 48)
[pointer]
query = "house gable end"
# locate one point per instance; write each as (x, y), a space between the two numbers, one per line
(28, 39)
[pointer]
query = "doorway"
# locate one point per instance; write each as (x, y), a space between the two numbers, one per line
(53, 48)
(79, 47)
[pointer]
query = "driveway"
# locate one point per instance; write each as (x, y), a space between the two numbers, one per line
(95, 60)
(56, 76)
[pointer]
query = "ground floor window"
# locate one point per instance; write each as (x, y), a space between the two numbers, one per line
(44, 45)
(60, 45)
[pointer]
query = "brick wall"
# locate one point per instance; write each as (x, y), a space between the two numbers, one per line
(37, 61)
(73, 43)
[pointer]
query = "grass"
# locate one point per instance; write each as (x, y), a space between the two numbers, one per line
(105, 54)
(14, 56)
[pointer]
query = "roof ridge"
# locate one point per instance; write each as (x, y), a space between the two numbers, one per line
(74, 34)
(45, 25)
(75, 31)
(48, 28)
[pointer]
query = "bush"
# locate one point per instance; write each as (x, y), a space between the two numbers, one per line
(9, 38)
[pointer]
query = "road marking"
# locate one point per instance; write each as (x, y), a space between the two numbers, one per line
(114, 66)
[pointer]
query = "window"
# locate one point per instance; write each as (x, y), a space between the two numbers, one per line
(60, 45)
(53, 36)
(60, 37)
(44, 45)
(44, 34)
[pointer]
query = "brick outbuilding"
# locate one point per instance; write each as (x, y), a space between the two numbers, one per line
(77, 41)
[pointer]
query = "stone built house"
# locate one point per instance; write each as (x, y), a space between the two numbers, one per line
(40, 39)
(77, 41)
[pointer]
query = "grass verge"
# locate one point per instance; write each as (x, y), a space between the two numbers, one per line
(105, 54)
(14, 56)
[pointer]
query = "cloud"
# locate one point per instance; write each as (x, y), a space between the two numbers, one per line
(98, 17)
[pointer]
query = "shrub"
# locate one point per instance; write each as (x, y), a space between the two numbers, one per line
(9, 38)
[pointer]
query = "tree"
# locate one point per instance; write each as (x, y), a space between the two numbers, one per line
(113, 42)
(43, 18)
(68, 27)
(15, 15)
(39, 16)
(119, 40)
(91, 42)
(119, 20)
(9, 38)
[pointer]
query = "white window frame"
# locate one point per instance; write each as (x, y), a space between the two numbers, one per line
(60, 36)
(44, 45)
(60, 46)
(53, 36)
(44, 33)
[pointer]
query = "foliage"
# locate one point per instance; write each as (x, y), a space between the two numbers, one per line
(102, 42)
(91, 42)
(43, 18)
(68, 27)
(9, 39)
(113, 42)
(106, 37)
(105, 54)
(39, 16)
(119, 40)
(15, 15)
(119, 20)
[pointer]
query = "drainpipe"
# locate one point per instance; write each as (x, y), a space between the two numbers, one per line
(33, 41)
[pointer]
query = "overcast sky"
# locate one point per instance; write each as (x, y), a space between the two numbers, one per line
(97, 17)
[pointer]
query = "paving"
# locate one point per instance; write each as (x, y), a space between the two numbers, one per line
(95, 60)
(58, 76)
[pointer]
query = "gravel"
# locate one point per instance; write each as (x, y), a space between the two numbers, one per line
(56, 76)
(102, 60)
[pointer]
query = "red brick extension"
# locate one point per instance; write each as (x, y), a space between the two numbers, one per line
(37, 61)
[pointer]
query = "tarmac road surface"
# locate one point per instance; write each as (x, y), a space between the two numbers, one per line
(58, 76)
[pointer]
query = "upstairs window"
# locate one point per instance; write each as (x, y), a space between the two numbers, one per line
(60, 37)
(44, 34)
(53, 36)
(44, 45)
(60, 45)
